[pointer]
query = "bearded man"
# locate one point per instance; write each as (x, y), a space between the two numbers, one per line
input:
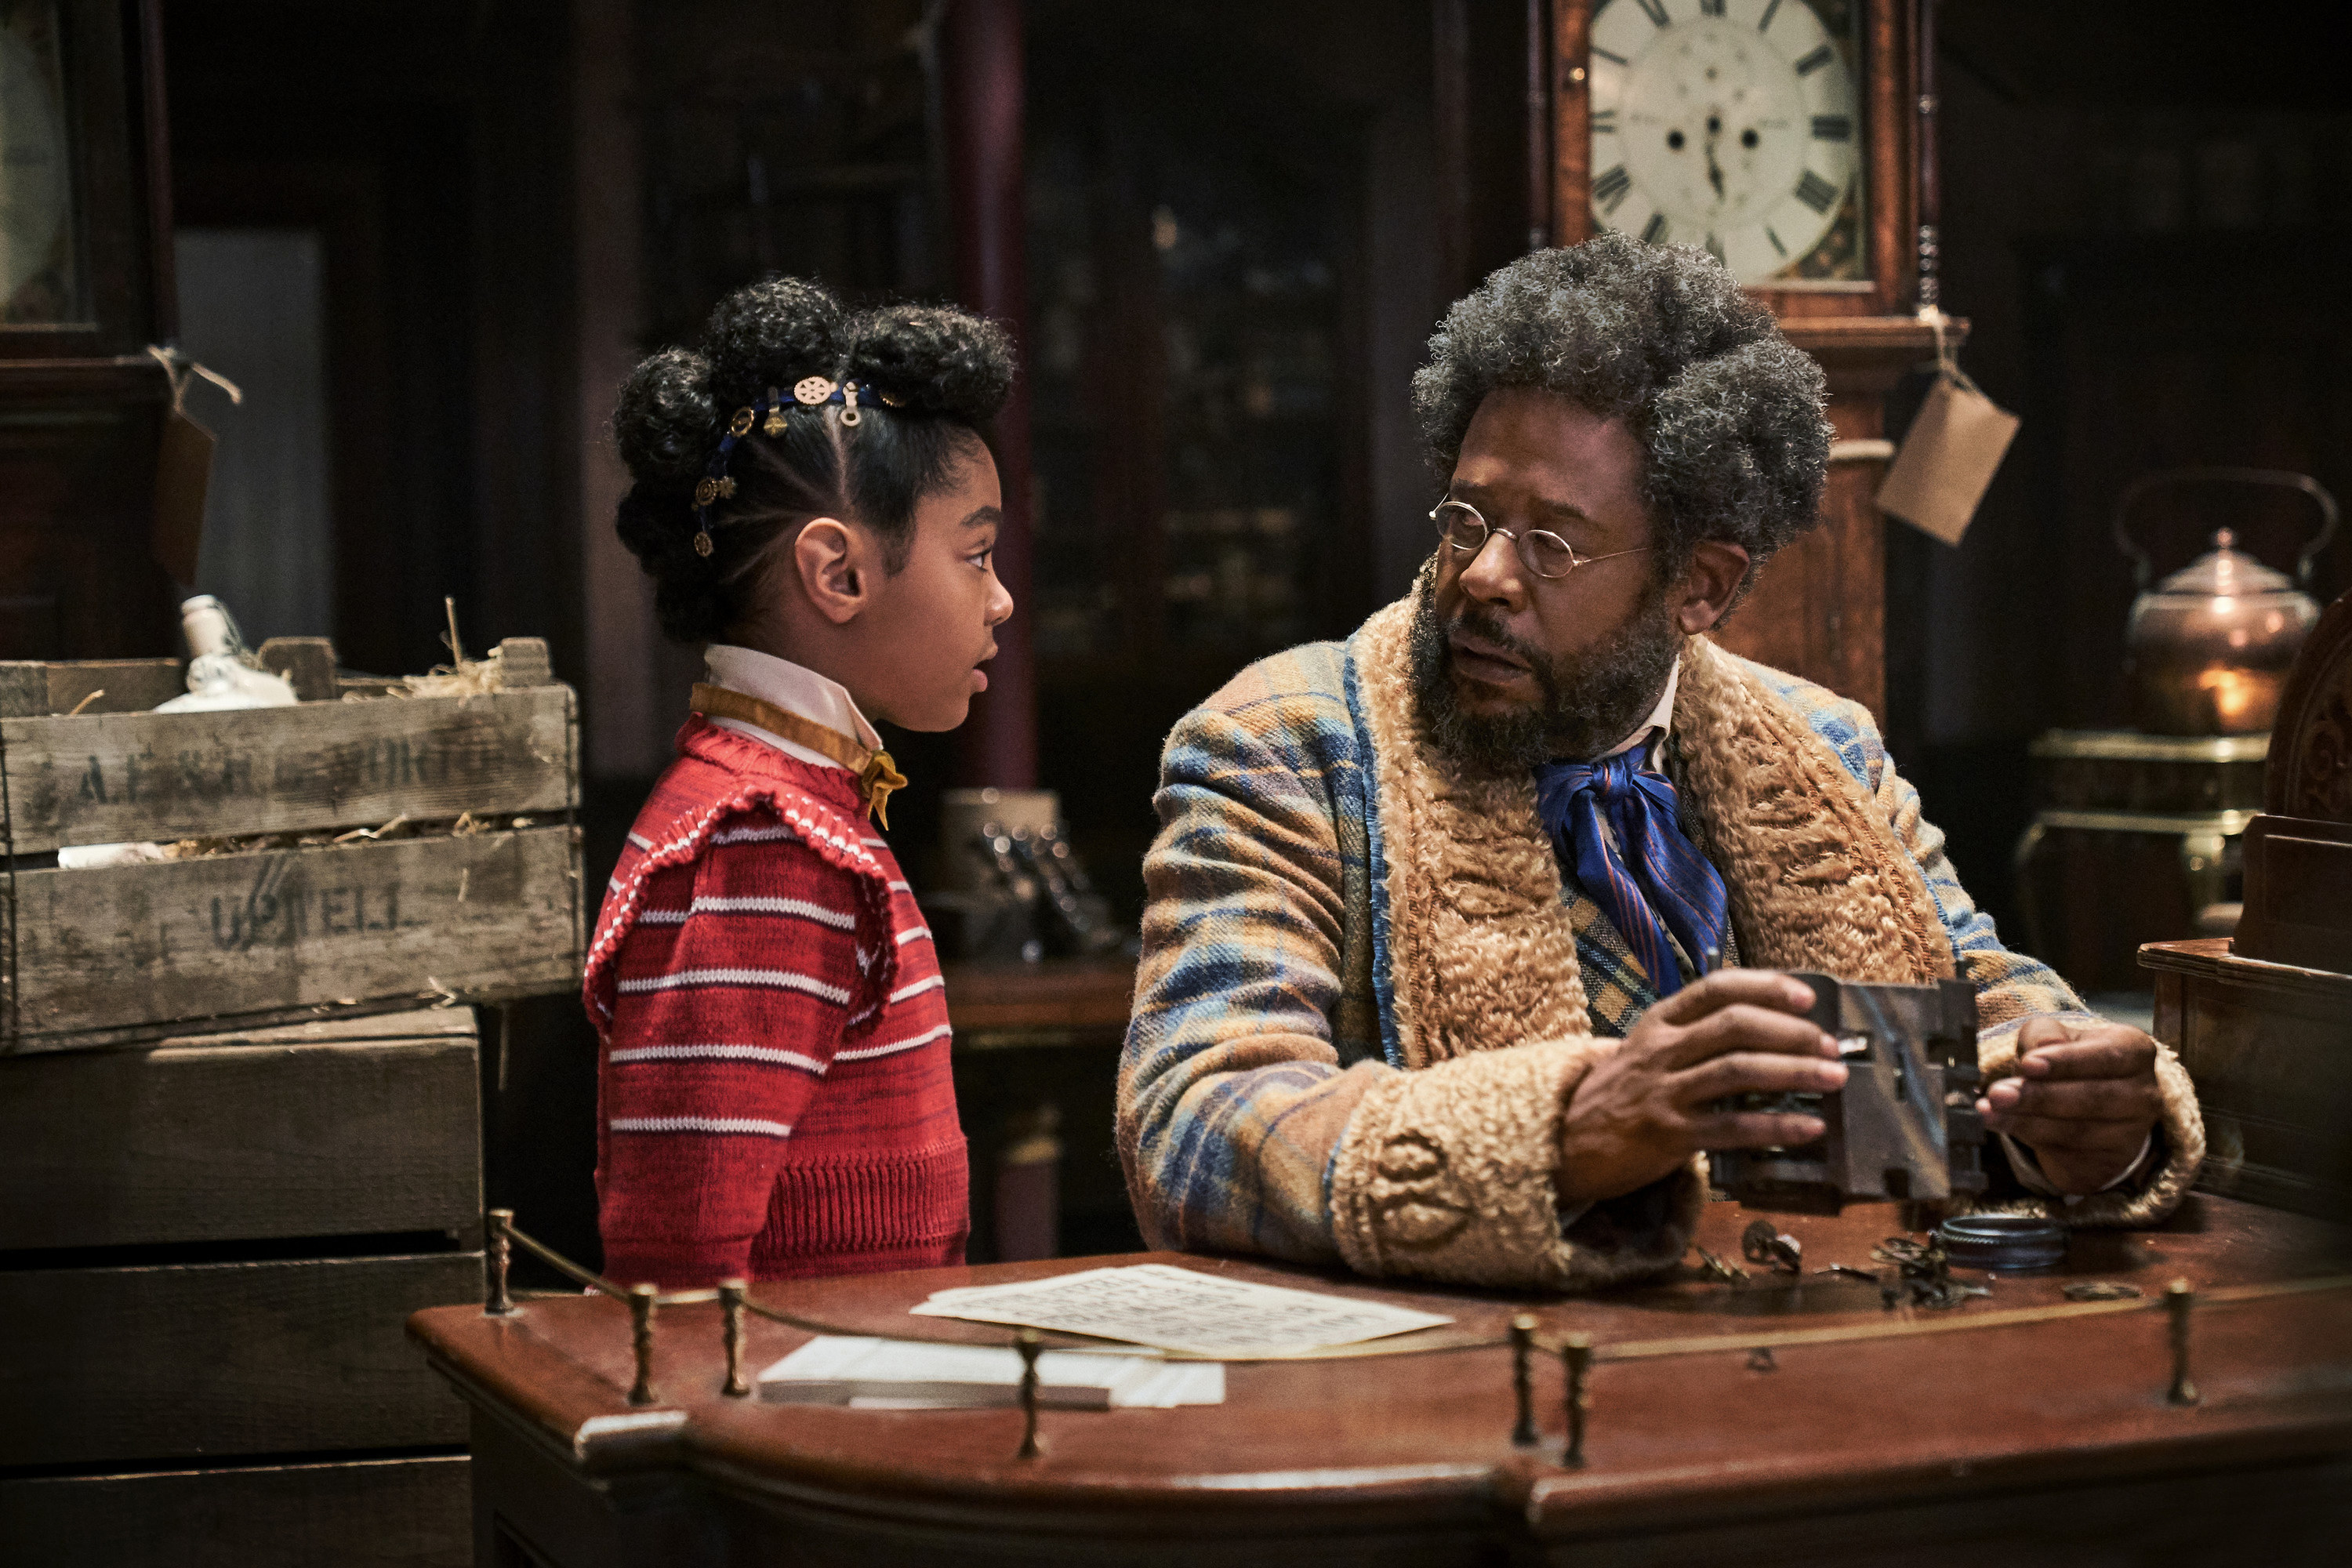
(1459, 931)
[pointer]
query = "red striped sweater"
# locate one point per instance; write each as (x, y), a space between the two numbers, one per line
(773, 1080)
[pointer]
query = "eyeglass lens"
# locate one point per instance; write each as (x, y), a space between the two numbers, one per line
(1545, 554)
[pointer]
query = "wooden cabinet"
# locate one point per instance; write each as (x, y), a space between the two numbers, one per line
(85, 286)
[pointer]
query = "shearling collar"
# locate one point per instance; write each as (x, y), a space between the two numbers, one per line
(1481, 951)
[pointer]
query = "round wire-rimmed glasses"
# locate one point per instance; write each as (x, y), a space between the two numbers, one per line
(1546, 555)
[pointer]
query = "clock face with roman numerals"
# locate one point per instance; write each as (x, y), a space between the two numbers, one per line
(1731, 124)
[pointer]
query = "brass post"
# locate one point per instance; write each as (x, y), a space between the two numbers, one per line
(1523, 1383)
(1027, 1343)
(641, 1328)
(731, 1306)
(1578, 1355)
(2180, 1301)
(497, 1250)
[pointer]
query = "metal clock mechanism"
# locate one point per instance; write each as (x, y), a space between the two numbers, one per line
(1904, 1128)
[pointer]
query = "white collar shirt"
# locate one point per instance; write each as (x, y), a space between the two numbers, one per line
(795, 689)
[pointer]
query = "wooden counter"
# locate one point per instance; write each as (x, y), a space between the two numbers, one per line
(2025, 1443)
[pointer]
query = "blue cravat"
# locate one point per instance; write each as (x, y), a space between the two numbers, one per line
(1668, 885)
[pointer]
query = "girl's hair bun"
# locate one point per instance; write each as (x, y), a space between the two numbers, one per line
(665, 424)
(931, 377)
(782, 328)
(941, 360)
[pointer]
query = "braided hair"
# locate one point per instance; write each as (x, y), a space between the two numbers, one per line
(931, 379)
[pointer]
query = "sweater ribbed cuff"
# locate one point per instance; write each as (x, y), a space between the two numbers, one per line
(674, 1265)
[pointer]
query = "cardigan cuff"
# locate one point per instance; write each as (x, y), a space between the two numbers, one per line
(2147, 1195)
(1447, 1173)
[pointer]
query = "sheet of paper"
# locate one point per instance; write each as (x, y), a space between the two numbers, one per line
(1180, 1309)
(904, 1374)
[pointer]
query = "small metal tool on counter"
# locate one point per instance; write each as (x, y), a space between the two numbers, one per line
(1761, 1243)
(1923, 1270)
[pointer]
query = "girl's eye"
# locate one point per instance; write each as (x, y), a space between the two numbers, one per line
(983, 559)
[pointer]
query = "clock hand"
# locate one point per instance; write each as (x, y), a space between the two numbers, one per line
(1714, 170)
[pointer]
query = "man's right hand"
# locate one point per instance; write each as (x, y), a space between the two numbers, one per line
(1641, 1111)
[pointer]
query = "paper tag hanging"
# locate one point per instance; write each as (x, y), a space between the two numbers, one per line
(1948, 459)
(183, 470)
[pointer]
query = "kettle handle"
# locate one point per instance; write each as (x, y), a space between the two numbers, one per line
(2142, 567)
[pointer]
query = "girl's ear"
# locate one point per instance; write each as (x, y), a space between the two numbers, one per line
(828, 559)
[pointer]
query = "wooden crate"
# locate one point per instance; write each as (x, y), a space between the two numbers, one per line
(285, 1356)
(368, 1513)
(133, 953)
(351, 1127)
(208, 1251)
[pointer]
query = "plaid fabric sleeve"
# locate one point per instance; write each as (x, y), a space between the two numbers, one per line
(2011, 986)
(1230, 1096)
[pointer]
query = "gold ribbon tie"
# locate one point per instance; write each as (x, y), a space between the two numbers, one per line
(877, 776)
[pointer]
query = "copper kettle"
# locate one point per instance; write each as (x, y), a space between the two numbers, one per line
(2207, 649)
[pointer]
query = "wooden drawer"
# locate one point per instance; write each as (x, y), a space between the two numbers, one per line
(350, 1127)
(379, 1513)
(129, 1365)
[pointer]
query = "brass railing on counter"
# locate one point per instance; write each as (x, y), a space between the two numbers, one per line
(1576, 1351)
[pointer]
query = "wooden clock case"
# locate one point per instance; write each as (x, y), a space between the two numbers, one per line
(1819, 609)
(81, 402)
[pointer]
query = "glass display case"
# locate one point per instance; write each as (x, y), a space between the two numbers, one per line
(1187, 326)
(41, 267)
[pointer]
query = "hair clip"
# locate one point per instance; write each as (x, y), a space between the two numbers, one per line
(891, 400)
(815, 390)
(717, 484)
(775, 425)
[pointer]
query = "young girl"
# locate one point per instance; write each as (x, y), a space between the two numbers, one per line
(814, 501)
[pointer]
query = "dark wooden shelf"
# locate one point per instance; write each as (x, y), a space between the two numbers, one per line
(1028, 1004)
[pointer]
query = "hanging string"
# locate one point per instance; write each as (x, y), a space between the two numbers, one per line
(1947, 357)
(181, 371)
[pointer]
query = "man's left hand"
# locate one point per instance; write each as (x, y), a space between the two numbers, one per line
(2083, 1098)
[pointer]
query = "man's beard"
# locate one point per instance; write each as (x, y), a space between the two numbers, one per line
(1589, 704)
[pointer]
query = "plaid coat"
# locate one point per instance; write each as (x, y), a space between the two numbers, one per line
(1266, 1018)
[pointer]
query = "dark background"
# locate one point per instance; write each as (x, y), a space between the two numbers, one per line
(1244, 219)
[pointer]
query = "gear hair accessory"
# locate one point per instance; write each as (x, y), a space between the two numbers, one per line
(810, 392)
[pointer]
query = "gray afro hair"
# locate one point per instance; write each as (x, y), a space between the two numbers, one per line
(1729, 412)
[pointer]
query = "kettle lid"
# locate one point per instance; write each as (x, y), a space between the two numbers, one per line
(2227, 572)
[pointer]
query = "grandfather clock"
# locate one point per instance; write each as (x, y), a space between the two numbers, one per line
(1786, 136)
(85, 287)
